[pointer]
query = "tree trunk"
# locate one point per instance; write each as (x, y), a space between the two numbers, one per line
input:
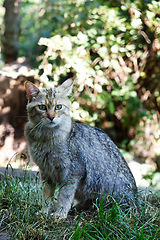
(12, 30)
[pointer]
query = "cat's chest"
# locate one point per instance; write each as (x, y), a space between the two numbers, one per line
(52, 159)
(49, 154)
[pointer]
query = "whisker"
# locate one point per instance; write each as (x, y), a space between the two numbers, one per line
(37, 125)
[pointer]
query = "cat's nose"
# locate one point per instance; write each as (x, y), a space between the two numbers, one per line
(51, 117)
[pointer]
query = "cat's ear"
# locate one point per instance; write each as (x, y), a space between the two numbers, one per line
(65, 88)
(31, 89)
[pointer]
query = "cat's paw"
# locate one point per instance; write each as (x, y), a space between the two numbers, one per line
(60, 214)
(48, 210)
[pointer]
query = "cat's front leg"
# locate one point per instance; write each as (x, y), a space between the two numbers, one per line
(48, 192)
(65, 199)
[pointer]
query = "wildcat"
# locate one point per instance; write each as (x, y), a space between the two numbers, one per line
(81, 159)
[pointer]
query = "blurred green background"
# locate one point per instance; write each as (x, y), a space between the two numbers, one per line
(112, 50)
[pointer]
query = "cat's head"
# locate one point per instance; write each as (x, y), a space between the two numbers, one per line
(49, 107)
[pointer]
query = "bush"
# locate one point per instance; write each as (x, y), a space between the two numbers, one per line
(112, 51)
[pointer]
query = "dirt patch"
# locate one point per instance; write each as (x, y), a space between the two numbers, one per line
(16, 172)
(13, 115)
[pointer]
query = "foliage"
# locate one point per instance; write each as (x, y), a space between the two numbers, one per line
(22, 216)
(111, 49)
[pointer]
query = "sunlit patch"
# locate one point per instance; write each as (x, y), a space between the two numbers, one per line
(6, 110)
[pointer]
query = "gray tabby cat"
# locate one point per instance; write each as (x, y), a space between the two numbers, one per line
(82, 159)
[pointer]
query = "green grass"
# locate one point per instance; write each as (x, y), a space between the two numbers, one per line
(22, 217)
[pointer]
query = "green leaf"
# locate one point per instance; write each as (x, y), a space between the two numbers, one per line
(111, 107)
(114, 48)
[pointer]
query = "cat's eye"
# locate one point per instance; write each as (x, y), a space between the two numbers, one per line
(58, 107)
(42, 107)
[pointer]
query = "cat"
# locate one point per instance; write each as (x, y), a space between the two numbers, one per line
(81, 159)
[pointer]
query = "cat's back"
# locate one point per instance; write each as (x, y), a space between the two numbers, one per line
(98, 150)
(94, 140)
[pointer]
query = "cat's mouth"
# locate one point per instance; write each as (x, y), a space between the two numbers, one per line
(51, 124)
